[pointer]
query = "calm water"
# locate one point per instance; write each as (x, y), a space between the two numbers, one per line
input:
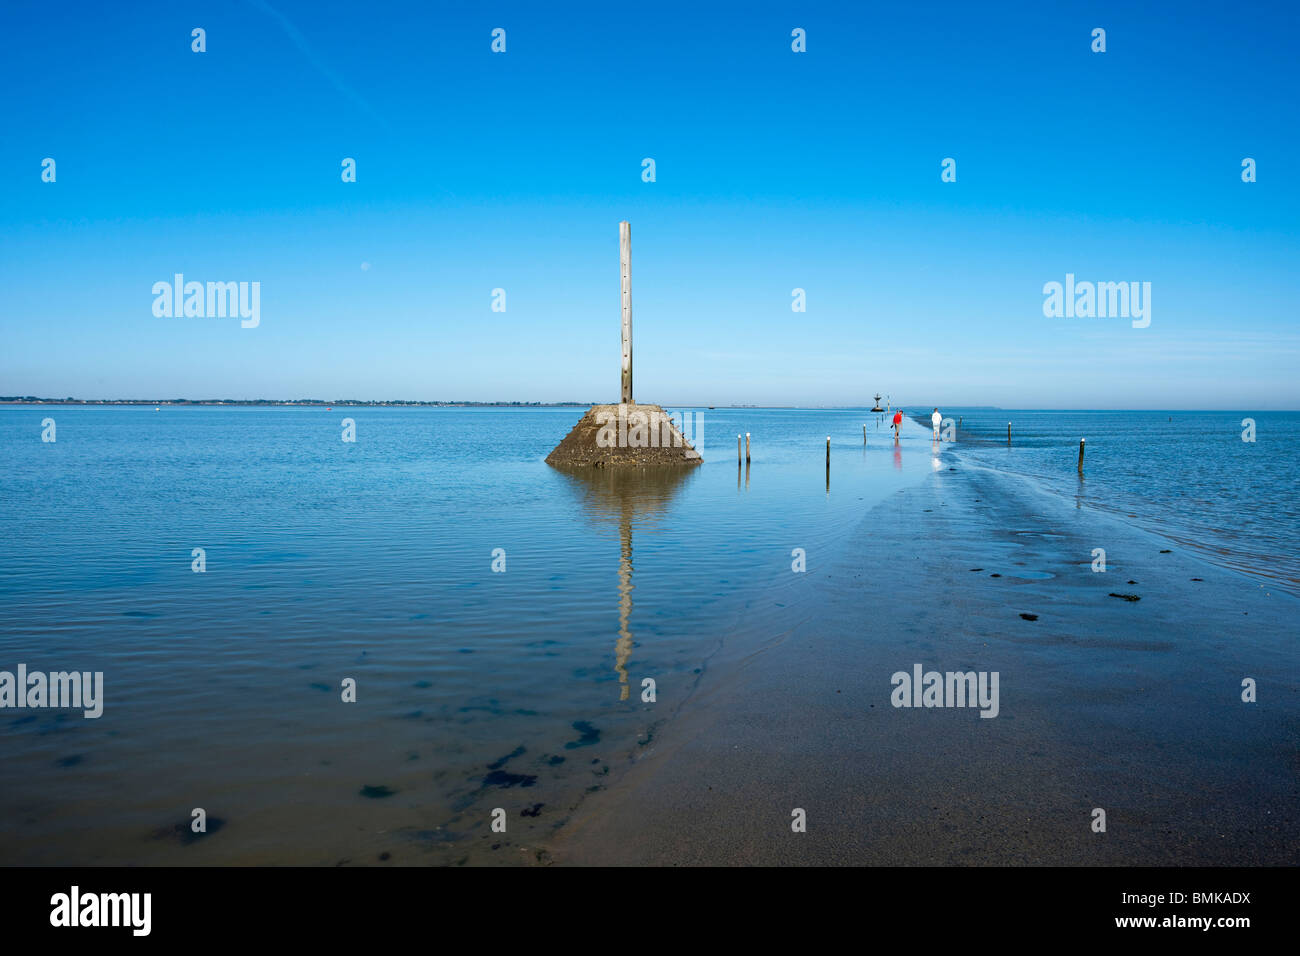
(1186, 475)
(373, 560)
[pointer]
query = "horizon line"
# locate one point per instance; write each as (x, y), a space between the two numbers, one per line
(419, 403)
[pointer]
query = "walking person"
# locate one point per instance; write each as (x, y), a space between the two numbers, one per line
(936, 420)
(898, 420)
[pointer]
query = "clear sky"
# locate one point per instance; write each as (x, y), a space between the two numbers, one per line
(775, 170)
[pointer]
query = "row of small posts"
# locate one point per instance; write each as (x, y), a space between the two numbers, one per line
(1082, 441)
(864, 441)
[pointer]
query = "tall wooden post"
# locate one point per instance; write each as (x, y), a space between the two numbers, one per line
(625, 267)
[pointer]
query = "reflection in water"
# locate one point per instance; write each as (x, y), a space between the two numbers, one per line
(625, 497)
(623, 646)
(738, 476)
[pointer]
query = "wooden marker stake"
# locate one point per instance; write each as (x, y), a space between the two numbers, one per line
(625, 267)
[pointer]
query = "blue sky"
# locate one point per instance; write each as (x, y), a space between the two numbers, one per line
(775, 170)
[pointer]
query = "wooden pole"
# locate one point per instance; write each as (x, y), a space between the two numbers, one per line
(737, 451)
(1008, 433)
(1081, 441)
(625, 267)
(864, 433)
(828, 451)
(747, 448)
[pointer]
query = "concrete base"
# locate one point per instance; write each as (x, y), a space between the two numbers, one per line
(619, 435)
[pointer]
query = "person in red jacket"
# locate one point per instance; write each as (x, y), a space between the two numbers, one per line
(898, 420)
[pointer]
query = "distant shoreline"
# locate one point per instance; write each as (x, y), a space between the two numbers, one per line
(916, 412)
(284, 403)
(359, 403)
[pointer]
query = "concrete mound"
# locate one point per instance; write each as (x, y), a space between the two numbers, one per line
(619, 435)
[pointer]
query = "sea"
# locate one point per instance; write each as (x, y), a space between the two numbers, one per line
(1220, 483)
(382, 651)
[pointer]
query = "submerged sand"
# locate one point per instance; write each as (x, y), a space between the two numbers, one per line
(1131, 706)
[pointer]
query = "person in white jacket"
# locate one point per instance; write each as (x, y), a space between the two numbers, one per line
(936, 419)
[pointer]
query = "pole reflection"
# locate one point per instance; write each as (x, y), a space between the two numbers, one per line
(626, 498)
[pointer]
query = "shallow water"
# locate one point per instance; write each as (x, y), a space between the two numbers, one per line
(1133, 706)
(1186, 475)
(476, 689)
(372, 560)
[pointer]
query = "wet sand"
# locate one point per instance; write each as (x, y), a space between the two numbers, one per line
(1130, 706)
